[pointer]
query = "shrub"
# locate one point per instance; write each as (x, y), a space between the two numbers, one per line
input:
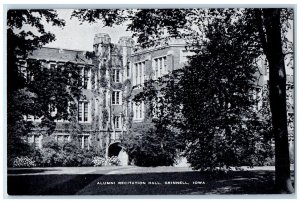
(50, 142)
(23, 161)
(88, 157)
(58, 158)
(16, 147)
(71, 146)
(98, 161)
(54, 155)
(148, 145)
(47, 157)
(114, 161)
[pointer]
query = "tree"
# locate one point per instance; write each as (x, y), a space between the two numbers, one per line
(32, 88)
(220, 124)
(267, 25)
(148, 144)
(269, 22)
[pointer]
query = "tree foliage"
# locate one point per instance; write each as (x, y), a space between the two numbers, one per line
(220, 124)
(33, 88)
(148, 144)
(267, 29)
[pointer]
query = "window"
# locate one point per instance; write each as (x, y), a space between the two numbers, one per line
(96, 81)
(117, 122)
(35, 141)
(116, 75)
(160, 67)
(164, 65)
(136, 74)
(85, 139)
(138, 111)
(116, 98)
(128, 69)
(86, 78)
(86, 142)
(83, 111)
(62, 138)
(139, 77)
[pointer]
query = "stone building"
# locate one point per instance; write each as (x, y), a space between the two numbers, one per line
(111, 77)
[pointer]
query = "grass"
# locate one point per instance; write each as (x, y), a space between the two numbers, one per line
(234, 182)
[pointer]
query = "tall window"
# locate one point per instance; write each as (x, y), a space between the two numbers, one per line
(128, 69)
(139, 73)
(96, 81)
(136, 74)
(117, 122)
(86, 78)
(85, 141)
(83, 111)
(156, 68)
(138, 111)
(160, 66)
(116, 97)
(34, 140)
(116, 75)
(164, 65)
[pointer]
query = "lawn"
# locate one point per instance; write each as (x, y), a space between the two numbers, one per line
(146, 183)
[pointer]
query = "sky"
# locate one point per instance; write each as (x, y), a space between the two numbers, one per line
(77, 36)
(81, 37)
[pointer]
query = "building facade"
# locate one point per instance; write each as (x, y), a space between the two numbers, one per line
(110, 78)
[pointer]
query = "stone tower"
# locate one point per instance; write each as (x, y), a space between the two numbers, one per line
(126, 44)
(102, 50)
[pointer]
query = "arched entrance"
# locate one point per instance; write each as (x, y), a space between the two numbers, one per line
(115, 149)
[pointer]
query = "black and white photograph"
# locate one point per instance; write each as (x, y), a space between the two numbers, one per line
(150, 101)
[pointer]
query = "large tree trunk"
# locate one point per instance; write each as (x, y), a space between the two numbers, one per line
(277, 84)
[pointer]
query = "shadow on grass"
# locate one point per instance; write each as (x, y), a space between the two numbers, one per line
(28, 170)
(197, 183)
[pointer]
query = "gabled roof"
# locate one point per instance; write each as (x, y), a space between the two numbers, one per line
(60, 55)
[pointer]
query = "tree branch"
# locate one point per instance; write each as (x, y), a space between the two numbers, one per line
(261, 32)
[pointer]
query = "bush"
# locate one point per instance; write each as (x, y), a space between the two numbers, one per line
(88, 157)
(23, 161)
(55, 155)
(69, 154)
(50, 142)
(98, 161)
(71, 146)
(59, 158)
(148, 145)
(16, 147)
(47, 157)
(114, 161)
